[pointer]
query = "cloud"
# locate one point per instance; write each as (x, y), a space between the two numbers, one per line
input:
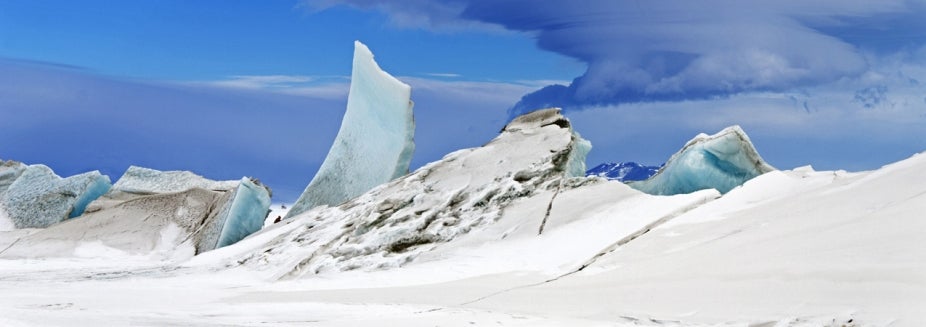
(639, 51)
(328, 87)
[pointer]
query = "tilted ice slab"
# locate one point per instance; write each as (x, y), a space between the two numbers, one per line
(34, 197)
(393, 223)
(375, 142)
(721, 161)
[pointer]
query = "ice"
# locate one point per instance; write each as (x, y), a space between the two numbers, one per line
(246, 212)
(466, 191)
(721, 161)
(140, 180)
(375, 142)
(38, 198)
(623, 171)
(576, 165)
(9, 172)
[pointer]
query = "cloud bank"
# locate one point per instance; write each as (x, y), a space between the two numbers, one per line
(641, 51)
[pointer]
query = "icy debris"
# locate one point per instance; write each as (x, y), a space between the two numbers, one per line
(721, 161)
(34, 197)
(375, 142)
(467, 189)
(140, 180)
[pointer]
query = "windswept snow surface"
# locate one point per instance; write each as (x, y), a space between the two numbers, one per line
(375, 142)
(787, 248)
(721, 161)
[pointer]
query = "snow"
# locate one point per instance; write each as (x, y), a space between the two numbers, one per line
(38, 198)
(721, 161)
(375, 142)
(142, 180)
(513, 240)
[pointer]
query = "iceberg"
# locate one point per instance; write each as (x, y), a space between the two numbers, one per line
(623, 171)
(375, 142)
(157, 212)
(721, 161)
(238, 207)
(37, 198)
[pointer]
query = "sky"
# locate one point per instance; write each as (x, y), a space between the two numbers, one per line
(258, 88)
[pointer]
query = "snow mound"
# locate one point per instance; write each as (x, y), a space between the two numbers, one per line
(721, 161)
(375, 142)
(34, 197)
(466, 190)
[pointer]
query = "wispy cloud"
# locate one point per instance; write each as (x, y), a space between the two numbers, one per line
(330, 87)
(448, 75)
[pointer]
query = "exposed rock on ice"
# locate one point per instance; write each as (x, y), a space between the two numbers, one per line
(721, 161)
(375, 142)
(34, 197)
(466, 190)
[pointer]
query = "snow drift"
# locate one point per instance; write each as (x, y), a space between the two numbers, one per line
(375, 142)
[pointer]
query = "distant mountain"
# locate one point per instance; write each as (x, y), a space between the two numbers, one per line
(623, 171)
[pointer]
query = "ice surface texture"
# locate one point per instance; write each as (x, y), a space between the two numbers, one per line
(38, 198)
(140, 180)
(623, 171)
(467, 189)
(169, 213)
(246, 212)
(375, 142)
(721, 161)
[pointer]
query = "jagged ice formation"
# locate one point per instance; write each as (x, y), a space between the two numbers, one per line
(375, 142)
(34, 197)
(721, 161)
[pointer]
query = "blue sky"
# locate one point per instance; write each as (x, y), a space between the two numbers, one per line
(232, 88)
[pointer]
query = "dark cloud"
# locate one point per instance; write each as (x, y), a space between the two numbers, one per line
(639, 51)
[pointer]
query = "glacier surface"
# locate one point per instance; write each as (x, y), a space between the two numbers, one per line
(37, 198)
(721, 161)
(375, 142)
